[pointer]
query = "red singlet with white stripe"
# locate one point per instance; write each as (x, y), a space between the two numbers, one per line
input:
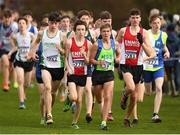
(131, 50)
(76, 60)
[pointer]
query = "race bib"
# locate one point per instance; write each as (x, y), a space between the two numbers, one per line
(78, 63)
(154, 61)
(106, 65)
(23, 50)
(130, 54)
(52, 58)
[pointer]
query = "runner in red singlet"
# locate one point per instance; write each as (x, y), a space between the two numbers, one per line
(135, 40)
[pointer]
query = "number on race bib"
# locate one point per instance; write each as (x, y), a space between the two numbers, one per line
(53, 58)
(153, 62)
(130, 55)
(78, 63)
(106, 65)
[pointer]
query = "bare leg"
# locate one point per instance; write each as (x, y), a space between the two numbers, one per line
(5, 71)
(158, 97)
(78, 103)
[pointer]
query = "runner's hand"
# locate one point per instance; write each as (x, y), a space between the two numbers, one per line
(166, 55)
(82, 50)
(139, 37)
(32, 57)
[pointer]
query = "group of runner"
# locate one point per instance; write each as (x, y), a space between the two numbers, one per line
(70, 57)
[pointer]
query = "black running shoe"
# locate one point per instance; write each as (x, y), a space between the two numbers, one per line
(157, 121)
(103, 127)
(88, 118)
(124, 99)
(135, 122)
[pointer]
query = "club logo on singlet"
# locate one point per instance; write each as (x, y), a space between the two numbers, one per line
(131, 43)
(158, 43)
(78, 60)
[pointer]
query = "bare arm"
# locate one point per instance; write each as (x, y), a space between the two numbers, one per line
(67, 44)
(117, 49)
(120, 34)
(13, 42)
(147, 46)
(61, 48)
(93, 52)
(86, 55)
(33, 38)
(166, 52)
(34, 47)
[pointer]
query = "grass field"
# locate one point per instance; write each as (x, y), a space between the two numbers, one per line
(13, 120)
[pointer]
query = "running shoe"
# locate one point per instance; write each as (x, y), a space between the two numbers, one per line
(22, 106)
(5, 87)
(156, 119)
(135, 122)
(49, 119)
(61, 98)
(75, 126)
(43, 121)
(110, 117)
(103, 127)
(15, 85)
(88, 118)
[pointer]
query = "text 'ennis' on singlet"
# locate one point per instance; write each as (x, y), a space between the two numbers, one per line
(105, 54)
(157, 62)
(76, 60)
(131, 50)
(24, 43)
(51, 56)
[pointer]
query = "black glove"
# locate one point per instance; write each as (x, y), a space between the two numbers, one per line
(139, 37)
(116, 65)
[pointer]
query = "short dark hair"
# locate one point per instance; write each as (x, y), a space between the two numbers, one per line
(45, 16)
(54, 17)
(105, 15)
(27, 12)
(43, 24)
(7, 13)
(79, 22)
(65, 16)
(83, 12)
(135, 11)
(22, 18)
